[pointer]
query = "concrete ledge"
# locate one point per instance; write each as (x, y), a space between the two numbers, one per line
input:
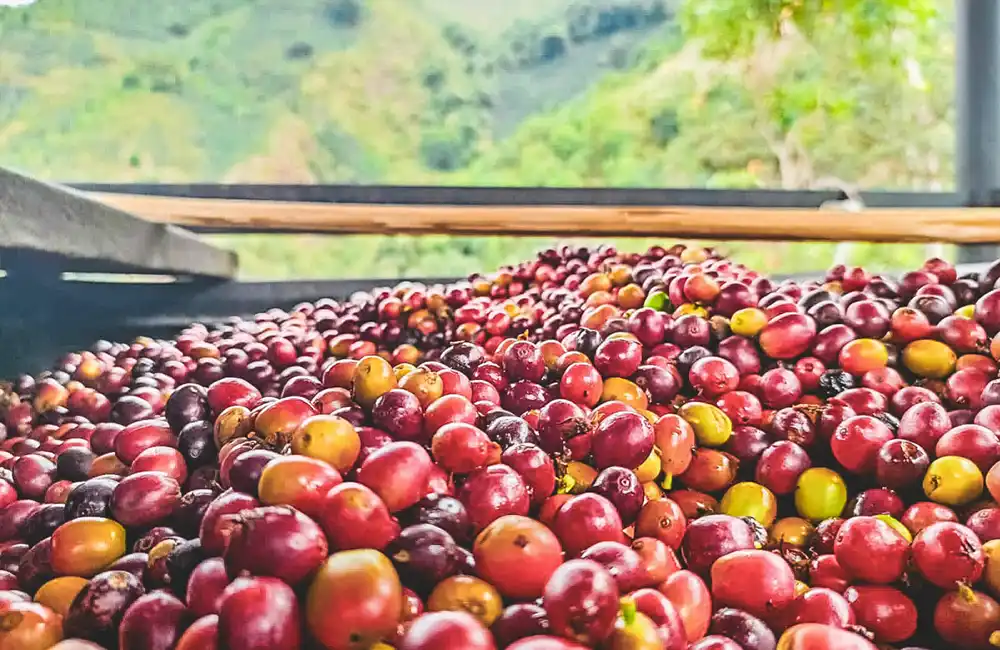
(50, 219)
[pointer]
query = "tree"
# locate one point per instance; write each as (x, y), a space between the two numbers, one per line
(344, 13)
(736, 27)
(854, 89)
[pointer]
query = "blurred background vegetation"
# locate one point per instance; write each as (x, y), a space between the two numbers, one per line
(589, 93)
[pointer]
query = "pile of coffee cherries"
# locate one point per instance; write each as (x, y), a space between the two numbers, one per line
(591, 449)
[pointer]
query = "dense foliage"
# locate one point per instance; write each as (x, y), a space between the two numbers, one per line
(616, 93)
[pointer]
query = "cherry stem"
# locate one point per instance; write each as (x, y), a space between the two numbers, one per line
(628, 610)
(966, 592)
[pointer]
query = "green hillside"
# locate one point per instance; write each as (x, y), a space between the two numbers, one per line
(521, 92)
(294, 90)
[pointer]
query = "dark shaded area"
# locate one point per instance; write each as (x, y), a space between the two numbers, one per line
(299, 50)
(46, 317)
(344, 13)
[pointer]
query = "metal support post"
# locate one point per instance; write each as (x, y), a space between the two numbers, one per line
(977, 92)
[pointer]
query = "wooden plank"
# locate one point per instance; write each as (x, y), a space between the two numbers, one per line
(42, 218)
(956, 225)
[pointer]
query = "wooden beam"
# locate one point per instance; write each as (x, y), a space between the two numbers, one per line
(956, 225)
(40, 218)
